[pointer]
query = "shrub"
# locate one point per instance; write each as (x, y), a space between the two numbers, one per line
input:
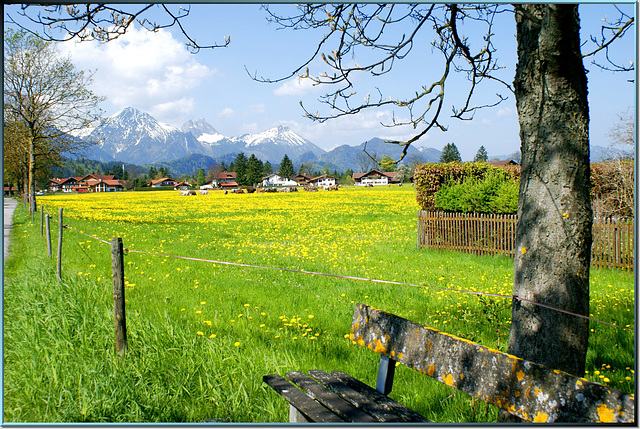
(430, 178)
(612, 188)
(496, 192)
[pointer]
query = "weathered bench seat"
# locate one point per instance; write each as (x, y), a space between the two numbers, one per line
(525, 389)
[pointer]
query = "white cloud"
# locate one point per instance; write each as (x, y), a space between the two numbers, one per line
(146, 70)
(227, 112)
(297, 87)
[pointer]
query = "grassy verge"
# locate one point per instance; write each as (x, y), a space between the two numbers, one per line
(201, 335)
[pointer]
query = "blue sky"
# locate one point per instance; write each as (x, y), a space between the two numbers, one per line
(154, 72)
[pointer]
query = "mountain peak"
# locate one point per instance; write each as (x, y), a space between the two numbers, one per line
(198, 127)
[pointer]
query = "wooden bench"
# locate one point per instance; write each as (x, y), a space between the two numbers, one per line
(525, 389)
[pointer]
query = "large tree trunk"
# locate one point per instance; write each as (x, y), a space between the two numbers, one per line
(553, 237)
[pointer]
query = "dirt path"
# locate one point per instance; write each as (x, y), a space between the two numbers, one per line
(9, 207)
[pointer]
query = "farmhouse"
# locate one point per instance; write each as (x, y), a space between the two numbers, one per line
(277, 180)
(376, 178)
(88, 183)
(164, 182)
(227, 180)
(105, 185)
(323, 181)
(502, 163)
(301, 179)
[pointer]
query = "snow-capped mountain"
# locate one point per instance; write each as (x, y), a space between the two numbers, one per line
(274, 143)
(202, 130)
(136, 137)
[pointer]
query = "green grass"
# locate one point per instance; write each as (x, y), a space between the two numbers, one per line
(202, 335)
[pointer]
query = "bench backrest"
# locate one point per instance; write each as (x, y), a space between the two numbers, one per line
(525, 389)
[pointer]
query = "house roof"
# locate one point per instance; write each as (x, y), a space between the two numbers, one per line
(502, 163)
(154, 182)
(108, 182)
(226, 175)
(99, 176)
(231, 184)
(389, 174)
(323, 176)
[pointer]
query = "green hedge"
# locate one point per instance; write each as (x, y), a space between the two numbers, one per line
(495, 193)
(430, 178)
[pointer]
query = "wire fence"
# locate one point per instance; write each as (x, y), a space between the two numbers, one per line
(490, 234)
(314, 273)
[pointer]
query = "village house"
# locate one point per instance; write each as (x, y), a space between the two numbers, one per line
(376, 178)
(105, 185)
(301, 179)
(88, 183)
(323, 181)
(164, 182)
(502, 163)
(277, 180)
(227, 180)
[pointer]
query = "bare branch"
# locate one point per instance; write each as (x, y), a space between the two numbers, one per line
(610, 32)
(375, 27)
(99, 22)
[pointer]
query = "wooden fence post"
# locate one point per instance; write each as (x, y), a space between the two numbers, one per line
(48, 228)
(60, 228)
(41, 220)
(117, 264)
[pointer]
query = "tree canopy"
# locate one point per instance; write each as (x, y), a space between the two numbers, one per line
(45, 101)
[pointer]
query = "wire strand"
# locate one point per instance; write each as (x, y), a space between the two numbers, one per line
(340, 276)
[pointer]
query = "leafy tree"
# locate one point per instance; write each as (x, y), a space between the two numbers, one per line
(163, 172)
(481, 155)
(254, 170)
(387, 163)
(200, 178)
(240, 168)
(306, 168)
(450, 153)
(267, 169)
(47, 99)
(286, 167)
(152, 173)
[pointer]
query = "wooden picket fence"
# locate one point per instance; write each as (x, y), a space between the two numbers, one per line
(489, 234)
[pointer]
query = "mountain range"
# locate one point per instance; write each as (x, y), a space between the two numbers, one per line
(135, 137)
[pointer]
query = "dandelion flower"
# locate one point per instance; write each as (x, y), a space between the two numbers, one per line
(200, 333)
(212, 336)
(310, 316)
(202, 302)
(237, 344)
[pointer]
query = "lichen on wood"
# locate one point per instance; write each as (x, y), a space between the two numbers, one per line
(525, 389)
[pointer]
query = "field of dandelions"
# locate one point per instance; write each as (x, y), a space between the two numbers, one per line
(202, 332)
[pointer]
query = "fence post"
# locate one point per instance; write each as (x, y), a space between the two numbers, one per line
(48, 228)
(41, 220)
(117, 264)
(60, 228)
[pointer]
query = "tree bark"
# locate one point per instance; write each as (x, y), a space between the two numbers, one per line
(553, 237)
